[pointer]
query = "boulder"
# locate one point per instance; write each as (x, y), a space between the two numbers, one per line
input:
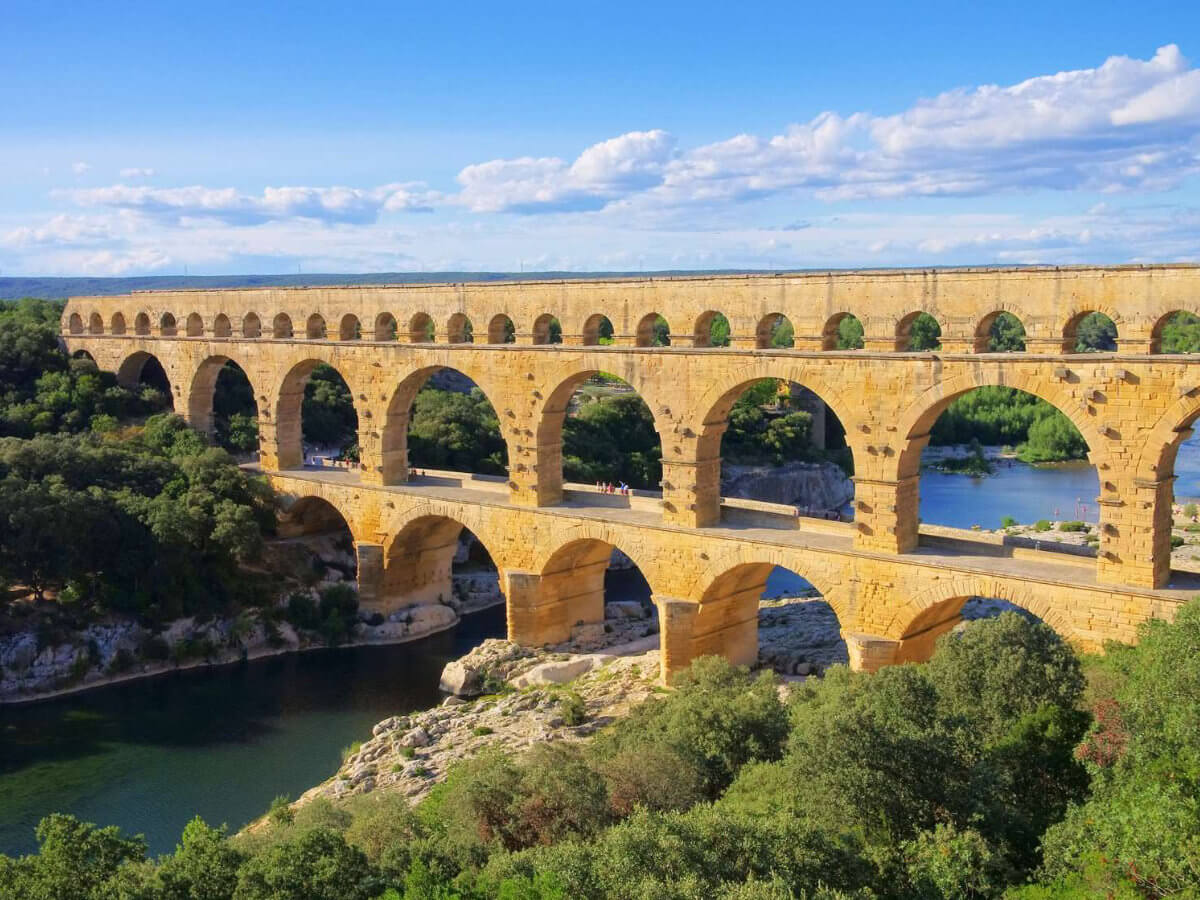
(424, 619)
(461, 680)
(418, 737)
(624, 609)
(557, 671)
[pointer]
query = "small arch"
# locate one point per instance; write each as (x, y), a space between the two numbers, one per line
(597, 330)
(1090, 331)
(141, 324)
(282, 327)
(166, 325)
(251, 326)
(349, 329)
(314, 329)
(314, 515)
(712, 330)
(95, 324)
(575, 581)
(547, 330)
(83, 354)
(1000, 332)
(774, 331)
(1176, 332)
(75, 324)
(918, 332)
(420, 329)
(459, 329)
(419, 560)
(653, 331)
(222, 327)
(842, 331)
(385, 327)
(117, 325)
(501, 330)
(195, 325)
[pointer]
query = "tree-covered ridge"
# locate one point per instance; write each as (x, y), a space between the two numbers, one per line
(997, 769)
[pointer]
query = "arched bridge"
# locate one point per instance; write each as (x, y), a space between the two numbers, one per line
(893, 584)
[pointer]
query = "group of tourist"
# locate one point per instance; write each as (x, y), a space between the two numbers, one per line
(607, 487)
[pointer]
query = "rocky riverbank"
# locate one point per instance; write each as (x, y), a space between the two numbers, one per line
(819, 486)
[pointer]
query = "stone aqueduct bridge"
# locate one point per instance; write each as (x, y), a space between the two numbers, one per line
(894, 585)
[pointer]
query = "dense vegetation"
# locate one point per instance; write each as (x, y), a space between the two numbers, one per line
(103, 507)
(995, 769)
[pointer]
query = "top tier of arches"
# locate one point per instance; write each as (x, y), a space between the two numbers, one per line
(801, 312)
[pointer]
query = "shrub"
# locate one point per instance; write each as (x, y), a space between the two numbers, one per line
(481, 730)
(1008, 522)
(1176, 541)
(302, 610)
(1191, 510)
(1073, 526)
(280, 811)
(572, 709)
(1041, 525)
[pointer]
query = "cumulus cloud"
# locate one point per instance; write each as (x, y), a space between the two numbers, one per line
(135, 172)
(334, 205)
(1128, 124)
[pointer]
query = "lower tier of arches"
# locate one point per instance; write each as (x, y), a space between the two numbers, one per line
(704, 583)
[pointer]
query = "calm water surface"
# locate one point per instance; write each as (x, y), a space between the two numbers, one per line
(222, 743)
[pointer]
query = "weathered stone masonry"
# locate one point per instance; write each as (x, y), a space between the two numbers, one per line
(1133, 407)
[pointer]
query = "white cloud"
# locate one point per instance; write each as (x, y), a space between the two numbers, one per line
(135, 172)
(324, 204)
(80, 168)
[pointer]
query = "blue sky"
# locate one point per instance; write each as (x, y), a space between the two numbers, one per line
(146, 138)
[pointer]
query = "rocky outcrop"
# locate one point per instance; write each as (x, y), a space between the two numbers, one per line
(814, 486)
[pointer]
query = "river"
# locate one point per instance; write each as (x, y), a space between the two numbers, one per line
(223, 742)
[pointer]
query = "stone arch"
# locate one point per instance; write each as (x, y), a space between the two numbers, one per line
(385, 327)
(937, 609)
(203, 387)
(281, 328)
(420, 329)
(543, 329)
(571, 582)
(832, 329)
(915, 422)
(768, 325)
(393, 436)
(141, 324)
(596, 327)
(904, 328)
(166, 325)
(251, 326)
(95, 324)
(287, 420)
(1156, 332)
(646, 330)
(983, 331)
(222, 327)
(702, 333)
(195, 325)
(717, 403)
(418, 559)
(349, 329)
(726, 620)
(501, 330)
(83, 354)
(131, 370)
(314, 328)
(459, 329)
(117, 323)
(313, 514)
(1069, 325)
(75, 324)
(549, 444)
(1155, 475)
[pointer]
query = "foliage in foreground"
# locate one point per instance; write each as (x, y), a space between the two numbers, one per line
(944, 780)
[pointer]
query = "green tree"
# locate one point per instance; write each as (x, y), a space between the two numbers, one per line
(1095, 333)
(849, 334)
(718, 331)
(74, 861)
(1181, 334)
(457, 431)
(925, 333)
(327, 413)
(316, 865)
(1007, 334)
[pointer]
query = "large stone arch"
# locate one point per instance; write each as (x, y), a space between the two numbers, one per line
(935, 610)
(902, 466)
(280, 422)
(710, 418)
(553, 412)
(129, 371)
(203, 387)
(307, 510)
(1154, 479)
(393, 465)
(418, 555)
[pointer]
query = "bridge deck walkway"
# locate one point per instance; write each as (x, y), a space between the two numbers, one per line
(1054, 570)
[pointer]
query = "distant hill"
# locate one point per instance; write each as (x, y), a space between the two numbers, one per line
(53, 288)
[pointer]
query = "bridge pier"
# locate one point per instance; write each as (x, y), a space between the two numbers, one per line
(870, 652)
(370, 573)
(676, 619)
